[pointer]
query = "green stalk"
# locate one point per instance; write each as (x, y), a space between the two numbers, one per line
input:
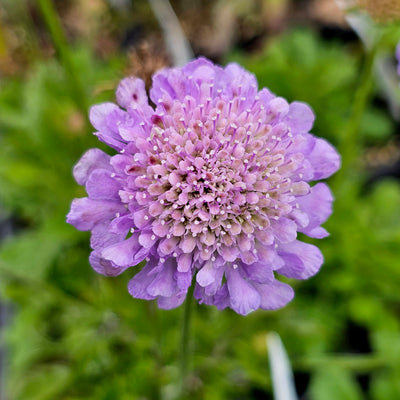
(357, 363)
(61, 45)
(350, 143)
(184, 361)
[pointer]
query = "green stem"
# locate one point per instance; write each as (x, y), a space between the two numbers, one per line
(184, 362)
(356, 363)
(53, 24)
(349, 145)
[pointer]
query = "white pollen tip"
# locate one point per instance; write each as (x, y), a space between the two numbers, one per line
(153, 237)
(213, 258)
(113, 175)
(175, 254)
(162, 260)
(146, 217)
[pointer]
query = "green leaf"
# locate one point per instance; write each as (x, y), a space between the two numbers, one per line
(333, 383)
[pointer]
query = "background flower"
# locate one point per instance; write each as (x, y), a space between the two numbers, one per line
(213, 182)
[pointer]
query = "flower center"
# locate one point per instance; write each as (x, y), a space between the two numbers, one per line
(216, 175)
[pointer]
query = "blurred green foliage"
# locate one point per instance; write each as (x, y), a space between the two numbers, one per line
(74, 335)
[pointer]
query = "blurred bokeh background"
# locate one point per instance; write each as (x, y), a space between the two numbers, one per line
(70, 334)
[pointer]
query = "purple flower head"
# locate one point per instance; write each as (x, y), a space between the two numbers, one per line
(214, 182)
(398, 58)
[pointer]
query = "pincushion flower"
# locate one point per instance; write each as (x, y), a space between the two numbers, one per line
(210, 187)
